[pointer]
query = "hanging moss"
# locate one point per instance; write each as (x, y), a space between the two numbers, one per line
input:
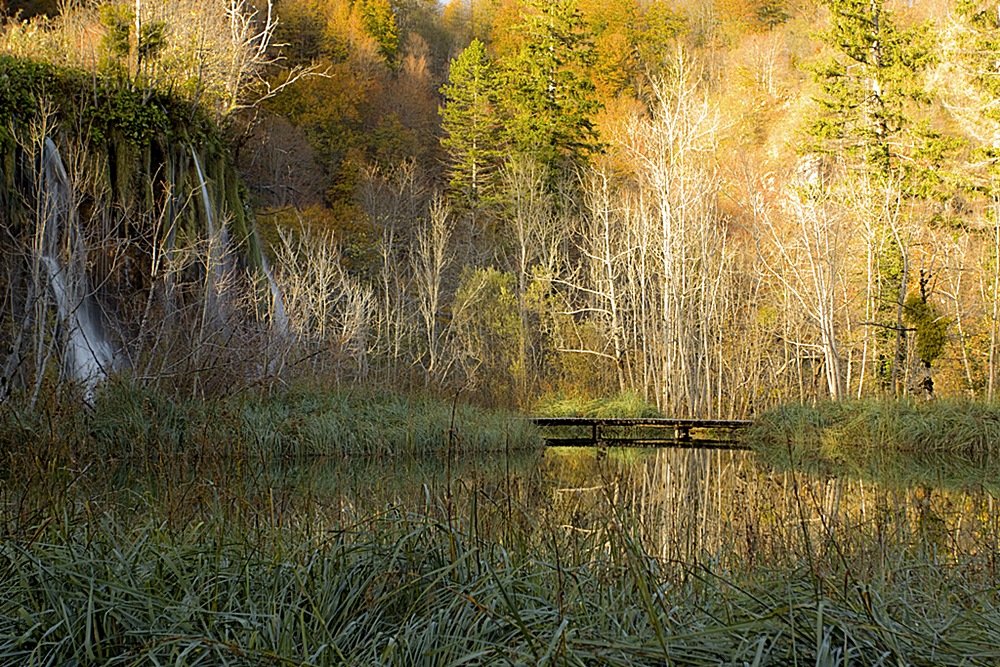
(238, 221)
(146, 184)
(135, 145)
(212, 167)
(123, 168)
(7, 164)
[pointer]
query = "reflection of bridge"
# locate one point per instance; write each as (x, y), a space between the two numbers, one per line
(641, 432)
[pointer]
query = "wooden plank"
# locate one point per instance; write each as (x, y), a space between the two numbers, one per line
(571, 442)
(606, 431)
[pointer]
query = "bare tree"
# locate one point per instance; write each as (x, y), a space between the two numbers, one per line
(394, 200)
(537, 240)
(672, 150)
(805, 248)
(430, 260)
(328, 310)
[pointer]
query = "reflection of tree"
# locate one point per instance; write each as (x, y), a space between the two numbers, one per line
(931, 527)
(724, 510)
(719, 512)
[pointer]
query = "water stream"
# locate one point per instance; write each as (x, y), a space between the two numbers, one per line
(88, 354)
(218, 262)
(279, 318)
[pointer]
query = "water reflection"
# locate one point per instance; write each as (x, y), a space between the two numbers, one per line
(725, 509)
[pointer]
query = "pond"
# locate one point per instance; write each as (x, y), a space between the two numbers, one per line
(556, 556)
(724, 507)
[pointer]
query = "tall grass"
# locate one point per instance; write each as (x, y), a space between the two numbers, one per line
(173, 555)
(832, 431)
(587, 562)
(371, 423)
(620, 405)
(413, 589)
(131, 421)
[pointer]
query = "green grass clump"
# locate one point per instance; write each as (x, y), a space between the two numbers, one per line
(621, 405)
(405, 588)
(894, 437)
(176, 555)
(366, 422)
(136, 422)
(570, 560)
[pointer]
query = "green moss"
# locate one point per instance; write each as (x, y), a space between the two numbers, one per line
(21, 82)
(931, 328)
(99, 108)
(136, 145)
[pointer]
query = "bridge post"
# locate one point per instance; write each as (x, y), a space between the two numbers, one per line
(682, 433)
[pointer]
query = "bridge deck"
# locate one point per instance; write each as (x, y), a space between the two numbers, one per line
(642, 431)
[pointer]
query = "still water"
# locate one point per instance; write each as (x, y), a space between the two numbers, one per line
(724, 508)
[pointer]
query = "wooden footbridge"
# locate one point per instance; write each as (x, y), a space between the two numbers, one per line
(641, 432)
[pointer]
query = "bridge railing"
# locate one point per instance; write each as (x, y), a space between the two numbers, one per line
(641, 431)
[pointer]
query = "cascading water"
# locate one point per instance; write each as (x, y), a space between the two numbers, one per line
(279, 318)
(88, 354)
(218, 244)
(219, 259)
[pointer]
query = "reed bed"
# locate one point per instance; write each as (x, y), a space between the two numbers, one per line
(620, 405)
(129, 421)
(898, 436)
(416, 589)
(672, 557)
(370, 423)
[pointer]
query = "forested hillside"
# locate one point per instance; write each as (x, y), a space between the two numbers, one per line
(718, 206)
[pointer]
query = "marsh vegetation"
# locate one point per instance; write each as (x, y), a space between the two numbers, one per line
(271, 272)
(501, 554)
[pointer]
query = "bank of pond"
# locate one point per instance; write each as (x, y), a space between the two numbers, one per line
(222, 535)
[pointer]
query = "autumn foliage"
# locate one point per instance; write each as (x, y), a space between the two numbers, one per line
(715, 206)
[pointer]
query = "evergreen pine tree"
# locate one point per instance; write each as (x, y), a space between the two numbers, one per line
(975, 97)
(548, 96)
(379, 22)
(980, 49)
(870, 83)
(469, 121)
(869, 88)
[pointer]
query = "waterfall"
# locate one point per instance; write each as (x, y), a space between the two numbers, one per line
(279, 319)
(88, 354)
(218, 241)
(219, 259)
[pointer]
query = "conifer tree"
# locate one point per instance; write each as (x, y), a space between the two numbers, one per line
(980, 47)
(379, 22)
(931, 329)
(974, 94)
(869, 88)
(469, 121)
(548, 96)
(870, 83)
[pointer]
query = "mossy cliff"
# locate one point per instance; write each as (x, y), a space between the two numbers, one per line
(139, 219)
